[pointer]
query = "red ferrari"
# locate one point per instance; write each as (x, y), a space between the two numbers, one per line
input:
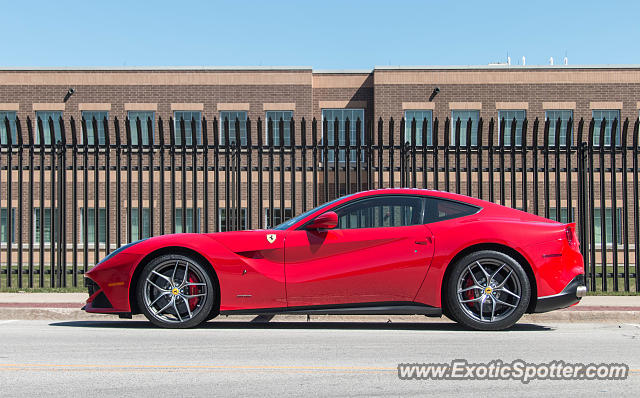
(388, 251)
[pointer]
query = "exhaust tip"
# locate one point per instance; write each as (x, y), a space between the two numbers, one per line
(581, 291)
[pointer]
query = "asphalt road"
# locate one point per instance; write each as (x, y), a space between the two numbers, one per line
(232, 358)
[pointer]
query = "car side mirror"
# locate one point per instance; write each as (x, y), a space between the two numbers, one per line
(326, 220)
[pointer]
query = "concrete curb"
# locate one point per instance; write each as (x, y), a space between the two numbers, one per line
(75, 314)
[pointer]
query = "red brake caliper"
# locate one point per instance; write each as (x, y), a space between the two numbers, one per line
(192, 291)
(469, 294)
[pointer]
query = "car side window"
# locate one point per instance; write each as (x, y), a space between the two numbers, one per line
(379, 212)
(442, 209)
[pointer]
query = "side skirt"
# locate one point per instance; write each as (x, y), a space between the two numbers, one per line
(384, 308)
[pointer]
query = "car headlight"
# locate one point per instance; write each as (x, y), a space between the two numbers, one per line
(118, 250)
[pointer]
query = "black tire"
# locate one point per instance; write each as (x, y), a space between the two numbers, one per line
(151, 286)
(467, 304)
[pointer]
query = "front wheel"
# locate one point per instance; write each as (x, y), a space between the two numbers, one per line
(487, 290)
(175, 291)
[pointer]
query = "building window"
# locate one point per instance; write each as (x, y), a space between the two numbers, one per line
(420, 116)
(91, 225)
(45, 116)
(191, 226)
(564, 116)
(144, 117)
(275, 117)
(330, 115)
(507, 116)
(47, 225)
(231, 116)
(564, 214)
(609, 115)
(146, 223)
(187, 116)
(608, 232)
(4, 227)
(277, 216)
(3, 127)
(464, 116)
(224, 225)
(88, 117)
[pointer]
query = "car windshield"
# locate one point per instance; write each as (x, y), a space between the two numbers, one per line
(294, 220)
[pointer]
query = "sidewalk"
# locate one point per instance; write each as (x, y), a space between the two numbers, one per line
(66, 306)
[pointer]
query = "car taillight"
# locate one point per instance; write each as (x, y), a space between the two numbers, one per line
(571, 236)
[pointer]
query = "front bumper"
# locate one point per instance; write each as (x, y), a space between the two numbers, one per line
(570, 295)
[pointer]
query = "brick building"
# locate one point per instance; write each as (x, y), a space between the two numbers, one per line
(423, 93)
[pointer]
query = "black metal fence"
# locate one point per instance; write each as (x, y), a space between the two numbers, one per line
(66, 205)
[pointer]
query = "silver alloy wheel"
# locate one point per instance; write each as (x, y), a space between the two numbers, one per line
(175, 291)
(489, 290)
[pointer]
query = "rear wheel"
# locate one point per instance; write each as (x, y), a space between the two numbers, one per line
(175, 291)
(487, 290)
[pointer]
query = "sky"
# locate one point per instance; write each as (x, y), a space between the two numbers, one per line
(323, 34)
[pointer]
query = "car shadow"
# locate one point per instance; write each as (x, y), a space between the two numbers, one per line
(314, 325)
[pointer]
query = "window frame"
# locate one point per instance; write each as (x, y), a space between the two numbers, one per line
(463, 131)
(153, 127)
(342, 152)
(57, 133)
(243, 140)
(617, 139)
(552, 129)
(13, 126)
(508, 121)
(98, 121)
(177, 138)
(407, 128)
(276, 135)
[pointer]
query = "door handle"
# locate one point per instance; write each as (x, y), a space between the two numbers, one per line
(426, 241)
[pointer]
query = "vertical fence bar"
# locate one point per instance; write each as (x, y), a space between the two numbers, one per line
(41, 220)
(347, 162)
(303, 146)
(270, 139)
(614, 205)
(116, 126)
(161, 149)
(9, 200)
(151, 190)
(20, 202)
(314, 143)
(62, 208)
(380, 149)
(195, 143)
(260, 174)
(556, 170)
(457, 153)
(172, 154)
(31, 209)
(546, 168)
(447, 148)
(512, 169)
(74, 201)
(603, 214)
(479, 150)
(534, 149)
(592, 232)
(436, 147)
(582, 193)
(336, 158)
(282, 168)
(248, 216)
(129, 183)
(392, 168)
(625, 204)
(85, 198)
(205, 175)
(216, 166)
(238, 189)
(227, 160)
(636, 205)
(501, 159)
(292, 146)
(52, 203)
(107, 188)
(523, 149)
(569, 172)
(490, 156)
(468, 156)
(96, 193)
(183, 176)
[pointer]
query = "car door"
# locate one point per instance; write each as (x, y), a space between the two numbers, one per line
(379, 252)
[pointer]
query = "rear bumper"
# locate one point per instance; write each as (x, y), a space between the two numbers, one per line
(569, 296)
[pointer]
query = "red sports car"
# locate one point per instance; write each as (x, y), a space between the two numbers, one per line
(388, 251)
